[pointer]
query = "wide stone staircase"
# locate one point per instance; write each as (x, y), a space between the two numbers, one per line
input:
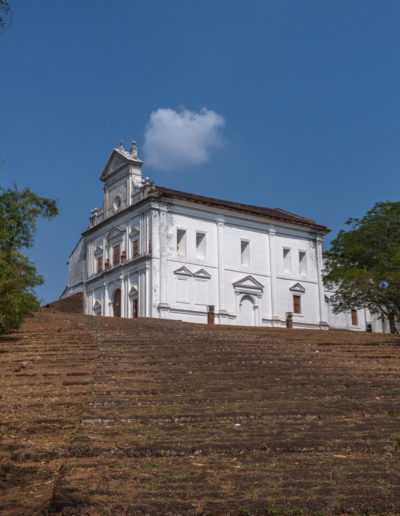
(146, 416)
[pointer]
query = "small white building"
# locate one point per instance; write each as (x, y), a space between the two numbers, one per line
(155, 252)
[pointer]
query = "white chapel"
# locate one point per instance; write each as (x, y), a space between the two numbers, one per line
(150, 251)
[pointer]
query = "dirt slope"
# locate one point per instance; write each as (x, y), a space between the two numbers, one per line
(106, 416)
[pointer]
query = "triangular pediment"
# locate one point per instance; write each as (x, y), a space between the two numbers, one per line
(97, 305)
(118, 159)
(134, 290)
(249, 283)
(201, 273)
(98, 250)
(297, 287)
(115, 232)
(134, 232)
(183, 271)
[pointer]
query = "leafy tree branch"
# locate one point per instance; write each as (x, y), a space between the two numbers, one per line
(362, 265)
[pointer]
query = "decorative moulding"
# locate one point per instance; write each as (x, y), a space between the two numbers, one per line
(118, 159)
(97, 305)
(98, 251)
(248, 283)
(183, 271)
(133, 291)
(297, 287)
(115, 233)
(201, 273)
(134, 232)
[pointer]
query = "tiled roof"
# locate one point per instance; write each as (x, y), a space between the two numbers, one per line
(269, 213)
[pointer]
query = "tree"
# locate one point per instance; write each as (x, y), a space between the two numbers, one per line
(19, 211)
(4, 11)
(363, 263)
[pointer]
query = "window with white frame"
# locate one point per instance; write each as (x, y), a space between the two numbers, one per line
(302, 263)
(200, 246)
(287, 261)
(181, 242)
(245, 252)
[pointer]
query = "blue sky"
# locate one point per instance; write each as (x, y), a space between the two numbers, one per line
(303, 95)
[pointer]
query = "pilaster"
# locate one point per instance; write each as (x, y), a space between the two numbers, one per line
(123, 295)
(221, 279)
(163, 231)
(273, 265)
(323, 315)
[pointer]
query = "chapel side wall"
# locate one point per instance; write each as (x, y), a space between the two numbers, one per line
(187, 297)
(258, 266)
(191, 283)
(343, 320)
(76, 269)
(290, 274)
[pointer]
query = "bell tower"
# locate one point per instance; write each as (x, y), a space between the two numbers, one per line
(122, 177)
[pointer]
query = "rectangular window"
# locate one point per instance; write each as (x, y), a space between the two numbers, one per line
(245, 252)
(302, 263)
(116, 254)
(182, 290)
(99, 264)
(201, 246)
(296, 304)
(354, 318)
(201, 291)
(287, 261)
(135, 248)
(134, 308)
(181, 242)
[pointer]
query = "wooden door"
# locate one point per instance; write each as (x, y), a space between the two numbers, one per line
(296, 304)
(117, 303)
(134, 308)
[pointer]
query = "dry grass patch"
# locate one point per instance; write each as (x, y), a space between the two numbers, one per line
(114, 416)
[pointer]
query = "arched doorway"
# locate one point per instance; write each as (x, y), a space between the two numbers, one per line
(246, 311)
(117, 303)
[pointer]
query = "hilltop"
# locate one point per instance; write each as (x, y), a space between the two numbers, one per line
(148, 416)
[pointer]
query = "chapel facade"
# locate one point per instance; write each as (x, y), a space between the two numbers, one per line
(151, 251)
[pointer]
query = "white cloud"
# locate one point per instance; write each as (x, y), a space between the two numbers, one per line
(181, 139)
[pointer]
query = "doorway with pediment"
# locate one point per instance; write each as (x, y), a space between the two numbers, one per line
(248, 293)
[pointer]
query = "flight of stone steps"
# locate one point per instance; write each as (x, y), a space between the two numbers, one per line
(149, 416)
